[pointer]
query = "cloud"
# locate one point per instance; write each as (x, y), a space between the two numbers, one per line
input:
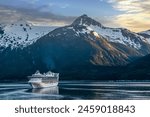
(30, 1)
(36, 16)
(109, 21)
(64, 6)
(135, 22)
(130, 6)
(135, 13)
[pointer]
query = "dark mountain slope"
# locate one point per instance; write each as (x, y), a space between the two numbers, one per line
(138, 70)
(76, 51)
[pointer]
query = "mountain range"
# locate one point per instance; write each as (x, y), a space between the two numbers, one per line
(83, 49)
(21, 34)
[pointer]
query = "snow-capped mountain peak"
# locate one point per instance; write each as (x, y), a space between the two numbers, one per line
(21, 34)
(146, 32)
(115, 35)
(22, 22)
(85, 20)
(146, 35)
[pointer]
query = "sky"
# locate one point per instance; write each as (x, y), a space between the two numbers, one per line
(131, 14)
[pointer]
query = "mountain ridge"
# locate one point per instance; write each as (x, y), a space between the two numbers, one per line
(86, 46)
(21, 34)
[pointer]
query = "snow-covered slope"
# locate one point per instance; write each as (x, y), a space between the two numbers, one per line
(117, 35)
(146, 32)
(21, 34)
(146, 35)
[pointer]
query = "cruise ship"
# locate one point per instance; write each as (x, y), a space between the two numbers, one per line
(38, 80)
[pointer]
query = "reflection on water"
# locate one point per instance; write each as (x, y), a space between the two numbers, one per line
(51, 91)
(77, 90)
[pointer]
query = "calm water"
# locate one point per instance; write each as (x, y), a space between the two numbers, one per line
(77, 90)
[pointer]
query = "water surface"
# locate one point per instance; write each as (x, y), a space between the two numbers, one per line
(77, 90)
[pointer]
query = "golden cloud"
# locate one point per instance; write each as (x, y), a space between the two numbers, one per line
(135, 16)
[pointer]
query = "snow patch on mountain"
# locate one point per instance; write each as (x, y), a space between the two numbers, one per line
(21, 34)
(146, 32)
(146, 35)
(116, 35)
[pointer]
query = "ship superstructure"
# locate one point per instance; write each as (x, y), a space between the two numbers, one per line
(39, 80)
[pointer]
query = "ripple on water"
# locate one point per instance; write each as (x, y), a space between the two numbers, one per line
(77, 90)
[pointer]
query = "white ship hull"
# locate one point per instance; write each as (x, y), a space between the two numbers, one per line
(42, 85)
